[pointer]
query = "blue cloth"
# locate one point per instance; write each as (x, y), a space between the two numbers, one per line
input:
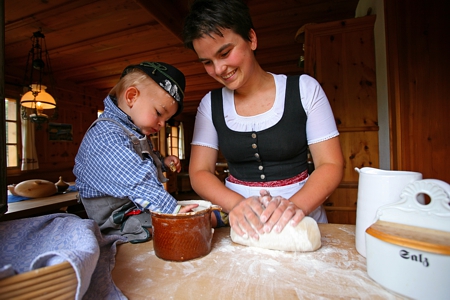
(32, 243)
(13, 198)
(107, 165)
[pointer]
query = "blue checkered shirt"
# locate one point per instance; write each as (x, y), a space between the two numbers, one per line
(107, 165)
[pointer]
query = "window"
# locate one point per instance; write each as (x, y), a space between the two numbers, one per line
(175, 141)
(172, 141)
(12, 133)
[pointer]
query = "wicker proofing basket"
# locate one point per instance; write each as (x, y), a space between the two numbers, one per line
(53, 282)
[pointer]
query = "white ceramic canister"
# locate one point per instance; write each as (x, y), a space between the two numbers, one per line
(376, 188)
(408, 247)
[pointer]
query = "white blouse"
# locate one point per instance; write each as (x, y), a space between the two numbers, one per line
(320, 125)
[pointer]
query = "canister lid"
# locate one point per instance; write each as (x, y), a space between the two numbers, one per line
(424, 239)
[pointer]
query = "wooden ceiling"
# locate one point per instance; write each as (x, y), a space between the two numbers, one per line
(90, 42)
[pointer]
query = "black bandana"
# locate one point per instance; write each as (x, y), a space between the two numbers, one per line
(167, 76)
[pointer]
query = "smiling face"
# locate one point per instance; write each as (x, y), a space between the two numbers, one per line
(148, 105)
(229, 59)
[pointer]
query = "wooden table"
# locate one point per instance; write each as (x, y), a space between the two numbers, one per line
(232, 271)
(26, 208)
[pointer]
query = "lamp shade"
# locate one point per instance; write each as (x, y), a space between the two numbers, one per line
(43, 100)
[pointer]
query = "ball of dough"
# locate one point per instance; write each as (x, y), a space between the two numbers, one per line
(304, 237)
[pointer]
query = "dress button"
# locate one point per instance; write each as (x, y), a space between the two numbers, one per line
(254, 146)
(260, 168)
(257, 155)
(254, 135)
(263, 176)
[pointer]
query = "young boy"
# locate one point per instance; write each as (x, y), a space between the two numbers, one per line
(118, 174)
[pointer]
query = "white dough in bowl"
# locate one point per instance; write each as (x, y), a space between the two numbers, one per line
(304, 237)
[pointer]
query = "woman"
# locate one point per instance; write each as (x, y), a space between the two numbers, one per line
(262, 123)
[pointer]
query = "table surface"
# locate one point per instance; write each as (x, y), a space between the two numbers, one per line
(34, 206)
(233, 271)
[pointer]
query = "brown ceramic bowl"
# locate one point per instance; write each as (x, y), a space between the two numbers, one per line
(184, 236)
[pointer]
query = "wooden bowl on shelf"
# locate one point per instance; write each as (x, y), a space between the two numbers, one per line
(11, 189)
(35, 188)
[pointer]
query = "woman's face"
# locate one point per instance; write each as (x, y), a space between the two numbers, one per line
(150, 106)
(229, 59)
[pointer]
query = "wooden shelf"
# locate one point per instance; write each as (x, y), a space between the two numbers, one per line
(27, 208)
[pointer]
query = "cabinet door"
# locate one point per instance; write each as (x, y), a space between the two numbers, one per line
(341, 56)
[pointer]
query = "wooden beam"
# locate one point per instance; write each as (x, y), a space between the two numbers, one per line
(169, 15)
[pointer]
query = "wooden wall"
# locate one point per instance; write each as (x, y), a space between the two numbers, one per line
(419, 91)
(76, 106)
(188, 120)
(419, 87)
(341, 56)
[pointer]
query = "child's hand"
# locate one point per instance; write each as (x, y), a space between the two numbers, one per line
(187, 208)
(173, 163)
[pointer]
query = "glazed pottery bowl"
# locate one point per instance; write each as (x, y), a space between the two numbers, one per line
(184, 236)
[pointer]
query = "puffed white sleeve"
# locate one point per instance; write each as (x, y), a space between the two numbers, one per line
(320, 125)
(205, 133)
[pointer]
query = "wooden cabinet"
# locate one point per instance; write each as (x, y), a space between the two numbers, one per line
(184, 183)
(171, 186)
(341, 56)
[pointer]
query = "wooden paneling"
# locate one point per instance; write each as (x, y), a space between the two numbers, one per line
(341, 205)
(341, 56)
(360, 149)
(90, 42)
(419, 90)
(171, 186)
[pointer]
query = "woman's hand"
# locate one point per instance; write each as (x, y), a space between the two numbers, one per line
(173, 163)
(258, 215)
(278, 213)
(245, 217)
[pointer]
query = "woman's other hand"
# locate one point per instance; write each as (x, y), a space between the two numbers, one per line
(278, 213)
(245, 217)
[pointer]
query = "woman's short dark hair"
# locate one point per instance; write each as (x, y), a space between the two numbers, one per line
(211, 16)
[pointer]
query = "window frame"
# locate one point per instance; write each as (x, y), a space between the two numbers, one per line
(173, 140)
(11, 170)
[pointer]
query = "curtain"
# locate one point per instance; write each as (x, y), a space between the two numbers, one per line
(181, 150)
(29, 153)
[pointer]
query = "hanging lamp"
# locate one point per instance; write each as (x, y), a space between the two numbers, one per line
(37, 69)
